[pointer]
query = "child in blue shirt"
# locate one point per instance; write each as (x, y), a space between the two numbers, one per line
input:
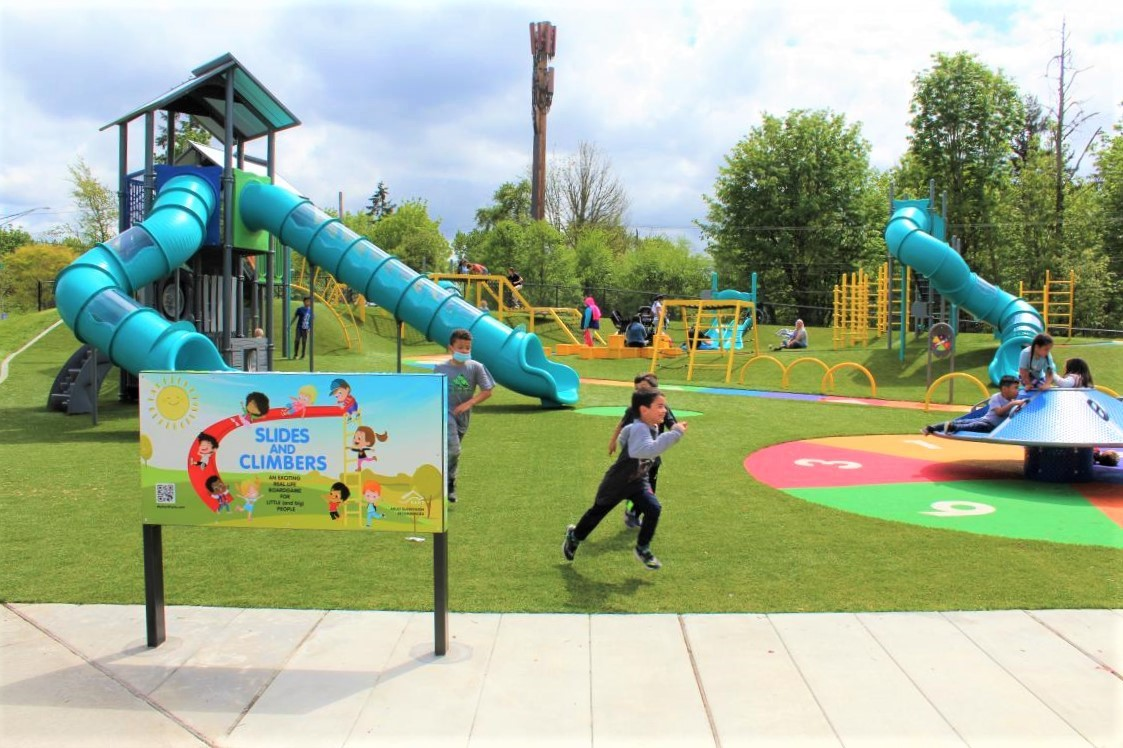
(1036, 369)
(999, 408)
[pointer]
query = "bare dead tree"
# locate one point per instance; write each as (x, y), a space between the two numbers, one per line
(1068, 117)
(583, 191)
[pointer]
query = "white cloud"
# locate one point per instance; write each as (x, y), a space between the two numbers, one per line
(433, 98)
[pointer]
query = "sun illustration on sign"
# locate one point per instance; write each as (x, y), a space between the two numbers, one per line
(174, 403)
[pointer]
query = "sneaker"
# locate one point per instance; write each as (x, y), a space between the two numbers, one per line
(632, 520)
(647, 558)
(452, 498)
(569, 547)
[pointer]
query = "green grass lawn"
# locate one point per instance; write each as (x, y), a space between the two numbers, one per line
(69, 509)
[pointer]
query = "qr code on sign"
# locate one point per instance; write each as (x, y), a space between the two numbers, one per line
(165, 493)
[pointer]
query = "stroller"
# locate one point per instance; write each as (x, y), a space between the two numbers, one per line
(618, 322)
(647, 319)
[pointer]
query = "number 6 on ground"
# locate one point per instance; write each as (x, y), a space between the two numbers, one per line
(959, 509)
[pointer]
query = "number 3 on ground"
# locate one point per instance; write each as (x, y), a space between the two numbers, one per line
(840, 464)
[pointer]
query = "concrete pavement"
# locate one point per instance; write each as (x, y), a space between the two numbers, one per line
(81, 675)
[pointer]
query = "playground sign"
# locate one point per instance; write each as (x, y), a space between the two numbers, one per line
(360, 452)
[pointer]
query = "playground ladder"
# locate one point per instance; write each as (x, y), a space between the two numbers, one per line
(879, 299)
(852, 310)
(1056, 301)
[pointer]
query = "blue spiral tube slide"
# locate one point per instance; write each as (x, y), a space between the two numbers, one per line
(514, 357)
(1015, 321)
(94, 293)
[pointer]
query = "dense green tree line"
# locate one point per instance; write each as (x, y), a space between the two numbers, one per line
(798, 201)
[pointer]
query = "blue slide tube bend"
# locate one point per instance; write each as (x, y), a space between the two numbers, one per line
(1016, 322)
(514, 357)
(93, 293)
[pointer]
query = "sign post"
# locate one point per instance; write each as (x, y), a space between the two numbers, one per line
(330, 452)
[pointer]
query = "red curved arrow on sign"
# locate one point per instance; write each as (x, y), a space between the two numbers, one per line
(221, 429)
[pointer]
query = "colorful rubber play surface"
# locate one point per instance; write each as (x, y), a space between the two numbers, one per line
(968, 487)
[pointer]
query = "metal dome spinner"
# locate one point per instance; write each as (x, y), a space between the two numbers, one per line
(1064, 418)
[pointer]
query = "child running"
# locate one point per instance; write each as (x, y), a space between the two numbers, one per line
(463, 375)
(643, 382)
(627, 478)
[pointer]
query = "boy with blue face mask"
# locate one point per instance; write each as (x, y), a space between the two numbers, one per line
(464, 375)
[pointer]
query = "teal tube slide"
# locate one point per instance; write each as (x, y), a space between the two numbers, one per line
(1015, 321)
(94, 293)
(514, 357)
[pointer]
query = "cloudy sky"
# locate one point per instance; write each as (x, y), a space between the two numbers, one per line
(434, 97)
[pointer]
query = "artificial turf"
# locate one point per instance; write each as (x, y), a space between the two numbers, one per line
(71, 532)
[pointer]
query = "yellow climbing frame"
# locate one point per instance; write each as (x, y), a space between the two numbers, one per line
(507, 303)
(701, 315)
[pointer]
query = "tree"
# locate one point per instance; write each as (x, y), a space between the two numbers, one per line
(1109, 175)
(582, 191)
(662, 265)
(146, 449)
(594, 258)
(1068, 116)
(96, 206)
(25, 267)
(536, 248)
(795, 202)
(415, 238)
(11, 238)
(380, 205)
(965, 119)
(187, 129)
(512, 203)
(1027, 140)
(506, 236)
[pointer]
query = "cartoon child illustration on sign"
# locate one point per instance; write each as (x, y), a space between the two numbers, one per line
(257, 405)
(249, 491)
(208, 445)
(362, 444)
(336, 496)
(305, 396)
(341, 391)
(372, 492)
(219, 493)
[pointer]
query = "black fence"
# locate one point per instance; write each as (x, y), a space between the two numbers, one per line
(45, 294)
(628, 301)
(625, 300)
